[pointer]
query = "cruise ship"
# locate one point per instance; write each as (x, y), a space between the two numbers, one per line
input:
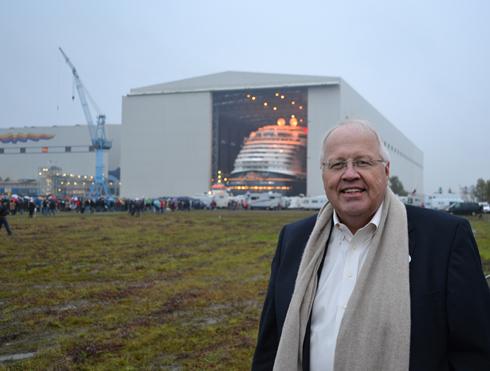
(273, 158)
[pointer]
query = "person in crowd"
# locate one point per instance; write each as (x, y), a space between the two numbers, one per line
(52, 207)
(13, 206)
(45, 207)
(4, 211)
(32, 207)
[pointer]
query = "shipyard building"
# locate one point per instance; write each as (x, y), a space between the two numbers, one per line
(249, 131)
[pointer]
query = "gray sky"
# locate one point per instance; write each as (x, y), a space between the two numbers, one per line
(423, 64)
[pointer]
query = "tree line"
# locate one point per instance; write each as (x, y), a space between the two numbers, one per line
(481, 191)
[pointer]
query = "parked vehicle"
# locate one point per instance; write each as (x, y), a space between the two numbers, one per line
(465, 208)
(413, 200)
(239, 201)
(295, 202)
(485, 206)
(438, 201)
(198, 204)
(204, 199)
(220, 196)
(314, 202)
(269, 200)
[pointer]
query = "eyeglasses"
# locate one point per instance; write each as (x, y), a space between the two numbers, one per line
(358, 164)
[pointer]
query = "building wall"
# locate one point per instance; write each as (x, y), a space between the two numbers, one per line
(51, 152)
(406, 159)
(323, 114)
(113, 133)
(167, 144)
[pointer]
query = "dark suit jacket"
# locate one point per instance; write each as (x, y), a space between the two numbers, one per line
(449, 297)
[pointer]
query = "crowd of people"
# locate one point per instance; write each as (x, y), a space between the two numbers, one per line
(50, 205)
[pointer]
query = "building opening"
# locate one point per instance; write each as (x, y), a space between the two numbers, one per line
(259, 140)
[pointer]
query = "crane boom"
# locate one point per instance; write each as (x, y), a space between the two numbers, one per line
(83, 98)
(97, 132)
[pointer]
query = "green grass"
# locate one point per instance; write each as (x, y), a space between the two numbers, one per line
(481, 229)
(179, 291)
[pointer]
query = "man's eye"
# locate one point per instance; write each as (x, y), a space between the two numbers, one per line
(338, 165)
(363, 163)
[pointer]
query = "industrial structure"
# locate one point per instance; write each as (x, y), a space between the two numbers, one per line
(97, 133)
(179, 138)
(26, 151)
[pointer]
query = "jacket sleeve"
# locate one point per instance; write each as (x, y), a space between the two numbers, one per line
(468, 305)
(268, 337)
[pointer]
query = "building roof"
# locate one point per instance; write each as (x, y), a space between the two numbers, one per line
(234, 80)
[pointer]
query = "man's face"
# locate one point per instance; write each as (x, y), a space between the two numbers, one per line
(355, 193)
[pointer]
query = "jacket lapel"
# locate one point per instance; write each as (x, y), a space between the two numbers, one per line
(411, 234)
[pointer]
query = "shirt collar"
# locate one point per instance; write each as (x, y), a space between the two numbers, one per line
(375, 220)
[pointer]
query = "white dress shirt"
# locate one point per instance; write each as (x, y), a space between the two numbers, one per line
(345, 256)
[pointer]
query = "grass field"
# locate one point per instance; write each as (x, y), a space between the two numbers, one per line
(179, 291)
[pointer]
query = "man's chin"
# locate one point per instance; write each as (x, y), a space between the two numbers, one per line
(355, 209)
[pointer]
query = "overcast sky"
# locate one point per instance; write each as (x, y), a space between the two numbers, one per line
(425, 65)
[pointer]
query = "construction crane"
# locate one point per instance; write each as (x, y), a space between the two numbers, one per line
(100, 143)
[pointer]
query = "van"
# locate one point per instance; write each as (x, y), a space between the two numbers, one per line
(269, 200)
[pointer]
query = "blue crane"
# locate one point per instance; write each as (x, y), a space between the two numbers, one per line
(97, 134)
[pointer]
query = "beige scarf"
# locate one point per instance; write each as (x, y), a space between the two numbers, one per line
(374, 333)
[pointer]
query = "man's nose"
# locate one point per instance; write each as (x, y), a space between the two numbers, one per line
(350, 171)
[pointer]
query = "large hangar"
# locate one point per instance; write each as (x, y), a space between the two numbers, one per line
(24, 150)
(251, 131)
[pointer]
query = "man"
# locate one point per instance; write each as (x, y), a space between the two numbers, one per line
(369, 284)
(31, 206)
(4, 211)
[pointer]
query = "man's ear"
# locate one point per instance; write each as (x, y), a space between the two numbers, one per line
(387, 169)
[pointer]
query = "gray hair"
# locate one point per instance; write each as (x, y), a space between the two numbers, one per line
(383, 152)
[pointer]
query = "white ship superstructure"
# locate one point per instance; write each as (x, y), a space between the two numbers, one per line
(273, 158)
(275, 149)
